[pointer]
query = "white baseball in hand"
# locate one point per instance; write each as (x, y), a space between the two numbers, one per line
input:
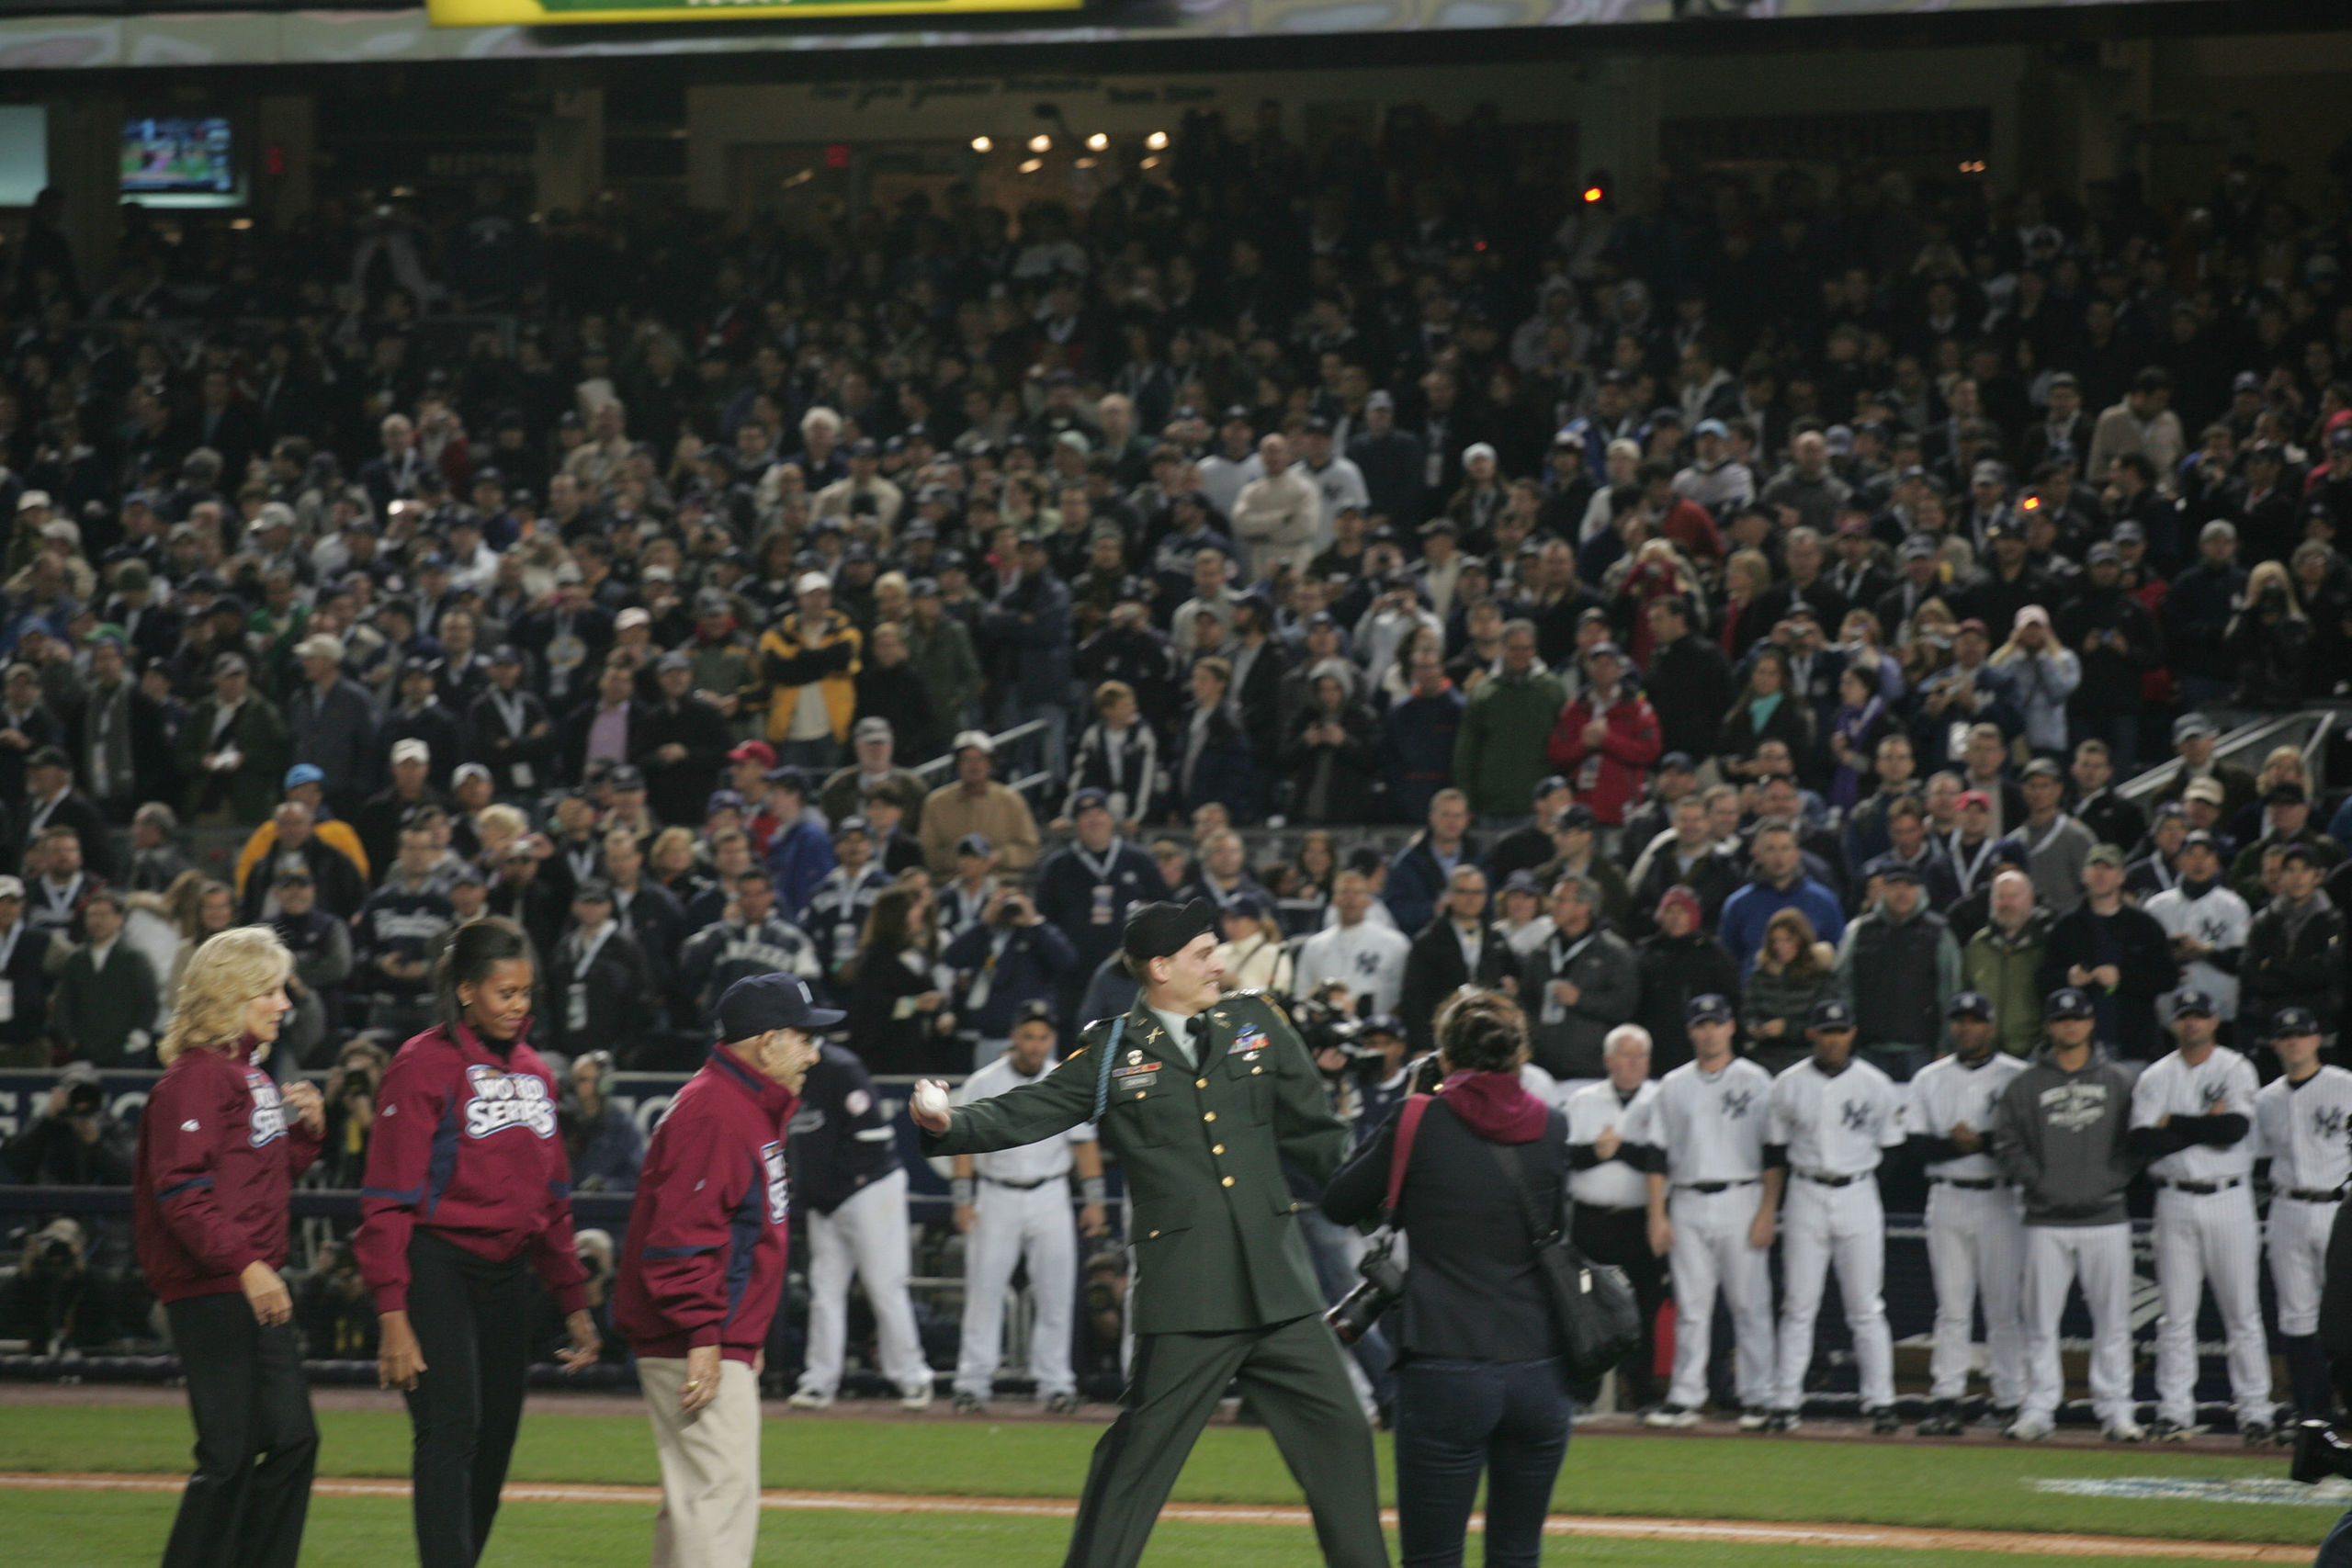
(931, 1101)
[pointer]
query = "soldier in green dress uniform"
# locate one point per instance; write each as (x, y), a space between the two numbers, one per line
(1201, 1095)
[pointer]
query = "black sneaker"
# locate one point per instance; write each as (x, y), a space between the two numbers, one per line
(1884, 1421)
(966, 1404)
(2319, 1453)
(1062, 1405)
(1942, 1421)
(1783, 1421)
(2161, 1430)
(2255, 1433)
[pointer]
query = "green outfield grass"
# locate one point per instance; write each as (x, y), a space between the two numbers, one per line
(61, 1530)
(1973, 1487)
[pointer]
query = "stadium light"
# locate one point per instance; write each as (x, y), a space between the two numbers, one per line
(1157, 141)
(1097, 142)
(982, 144)
(1041, 142)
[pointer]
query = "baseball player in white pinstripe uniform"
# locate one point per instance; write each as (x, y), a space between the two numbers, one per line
(1702, 1136)
(1976, 1229)
(1832, 1120)
(2191, 1113)
(2301, 1121)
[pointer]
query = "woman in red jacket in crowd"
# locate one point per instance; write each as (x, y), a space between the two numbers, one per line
(469, 1190)
(219, 1149)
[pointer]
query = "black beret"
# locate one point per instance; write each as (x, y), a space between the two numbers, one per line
(1163, 930)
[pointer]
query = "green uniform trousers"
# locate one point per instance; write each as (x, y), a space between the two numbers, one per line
(1293, 1378)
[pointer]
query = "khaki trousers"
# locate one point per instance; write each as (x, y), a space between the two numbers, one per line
(710, 1467)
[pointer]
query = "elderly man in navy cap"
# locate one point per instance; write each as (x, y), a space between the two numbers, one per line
(704, 1267)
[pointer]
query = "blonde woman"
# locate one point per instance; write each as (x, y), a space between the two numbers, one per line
(1252, 950)
(218, 1150)
(496, 827)
(2269, 639)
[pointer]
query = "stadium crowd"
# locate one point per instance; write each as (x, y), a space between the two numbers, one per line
(1751, 589)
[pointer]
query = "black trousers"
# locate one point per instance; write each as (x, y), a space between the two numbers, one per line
(1621, 1236)
(1457, 1421)
(256, 1443)
(1293, 1375)
(473, 1318)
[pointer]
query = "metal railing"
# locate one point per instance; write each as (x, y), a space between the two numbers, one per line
(2306, 728)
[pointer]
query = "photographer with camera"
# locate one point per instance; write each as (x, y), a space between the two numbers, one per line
(1012, 956)
(1482, 1380)
(41, 1301)
(73, 1142)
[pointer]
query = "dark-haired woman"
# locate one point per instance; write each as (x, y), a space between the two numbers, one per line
(1481, 1386)
(898, 1017)
(468, 1190)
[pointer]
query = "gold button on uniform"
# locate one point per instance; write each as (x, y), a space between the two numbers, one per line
(1216, 1148)
(1255, 1071)
(1199, 1083)
(1155, 1233)
(1138, 1094)
(1228, 1181)
(1208, 1115)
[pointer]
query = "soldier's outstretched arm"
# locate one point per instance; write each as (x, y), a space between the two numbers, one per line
(1051, 1105)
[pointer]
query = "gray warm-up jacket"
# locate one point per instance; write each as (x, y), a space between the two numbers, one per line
(2062, 1138)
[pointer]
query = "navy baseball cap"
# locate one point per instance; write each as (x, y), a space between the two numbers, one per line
(2190, 1002)
(1891, 868)
(2067, 1002)
(974, 844)
(1970, 1004)
(1708, 1007)
(1676, 761)
(1250, 905)
(758, 1003)
(1387, 1023)
(1831, 1016)
(1087, 799)
(2293, 1020)
(1036, 1009)
(1549, 783)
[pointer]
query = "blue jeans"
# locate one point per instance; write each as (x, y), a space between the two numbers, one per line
(1457, 1420)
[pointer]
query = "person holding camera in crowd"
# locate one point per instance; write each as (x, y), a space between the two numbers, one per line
(74, 1142)
(703, 1270)
(218, 1150)
(448, 1229)
(1014, 956)
(1482, 1382)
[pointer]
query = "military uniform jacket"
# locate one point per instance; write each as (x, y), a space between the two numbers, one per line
(1216, 1243)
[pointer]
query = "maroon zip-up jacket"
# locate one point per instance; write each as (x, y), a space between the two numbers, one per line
(705, 1259)
(464, 1145)
(217, 1156)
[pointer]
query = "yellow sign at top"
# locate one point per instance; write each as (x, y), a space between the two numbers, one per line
(551, 12)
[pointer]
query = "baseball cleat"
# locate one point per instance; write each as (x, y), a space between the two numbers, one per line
(1671, 1415)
